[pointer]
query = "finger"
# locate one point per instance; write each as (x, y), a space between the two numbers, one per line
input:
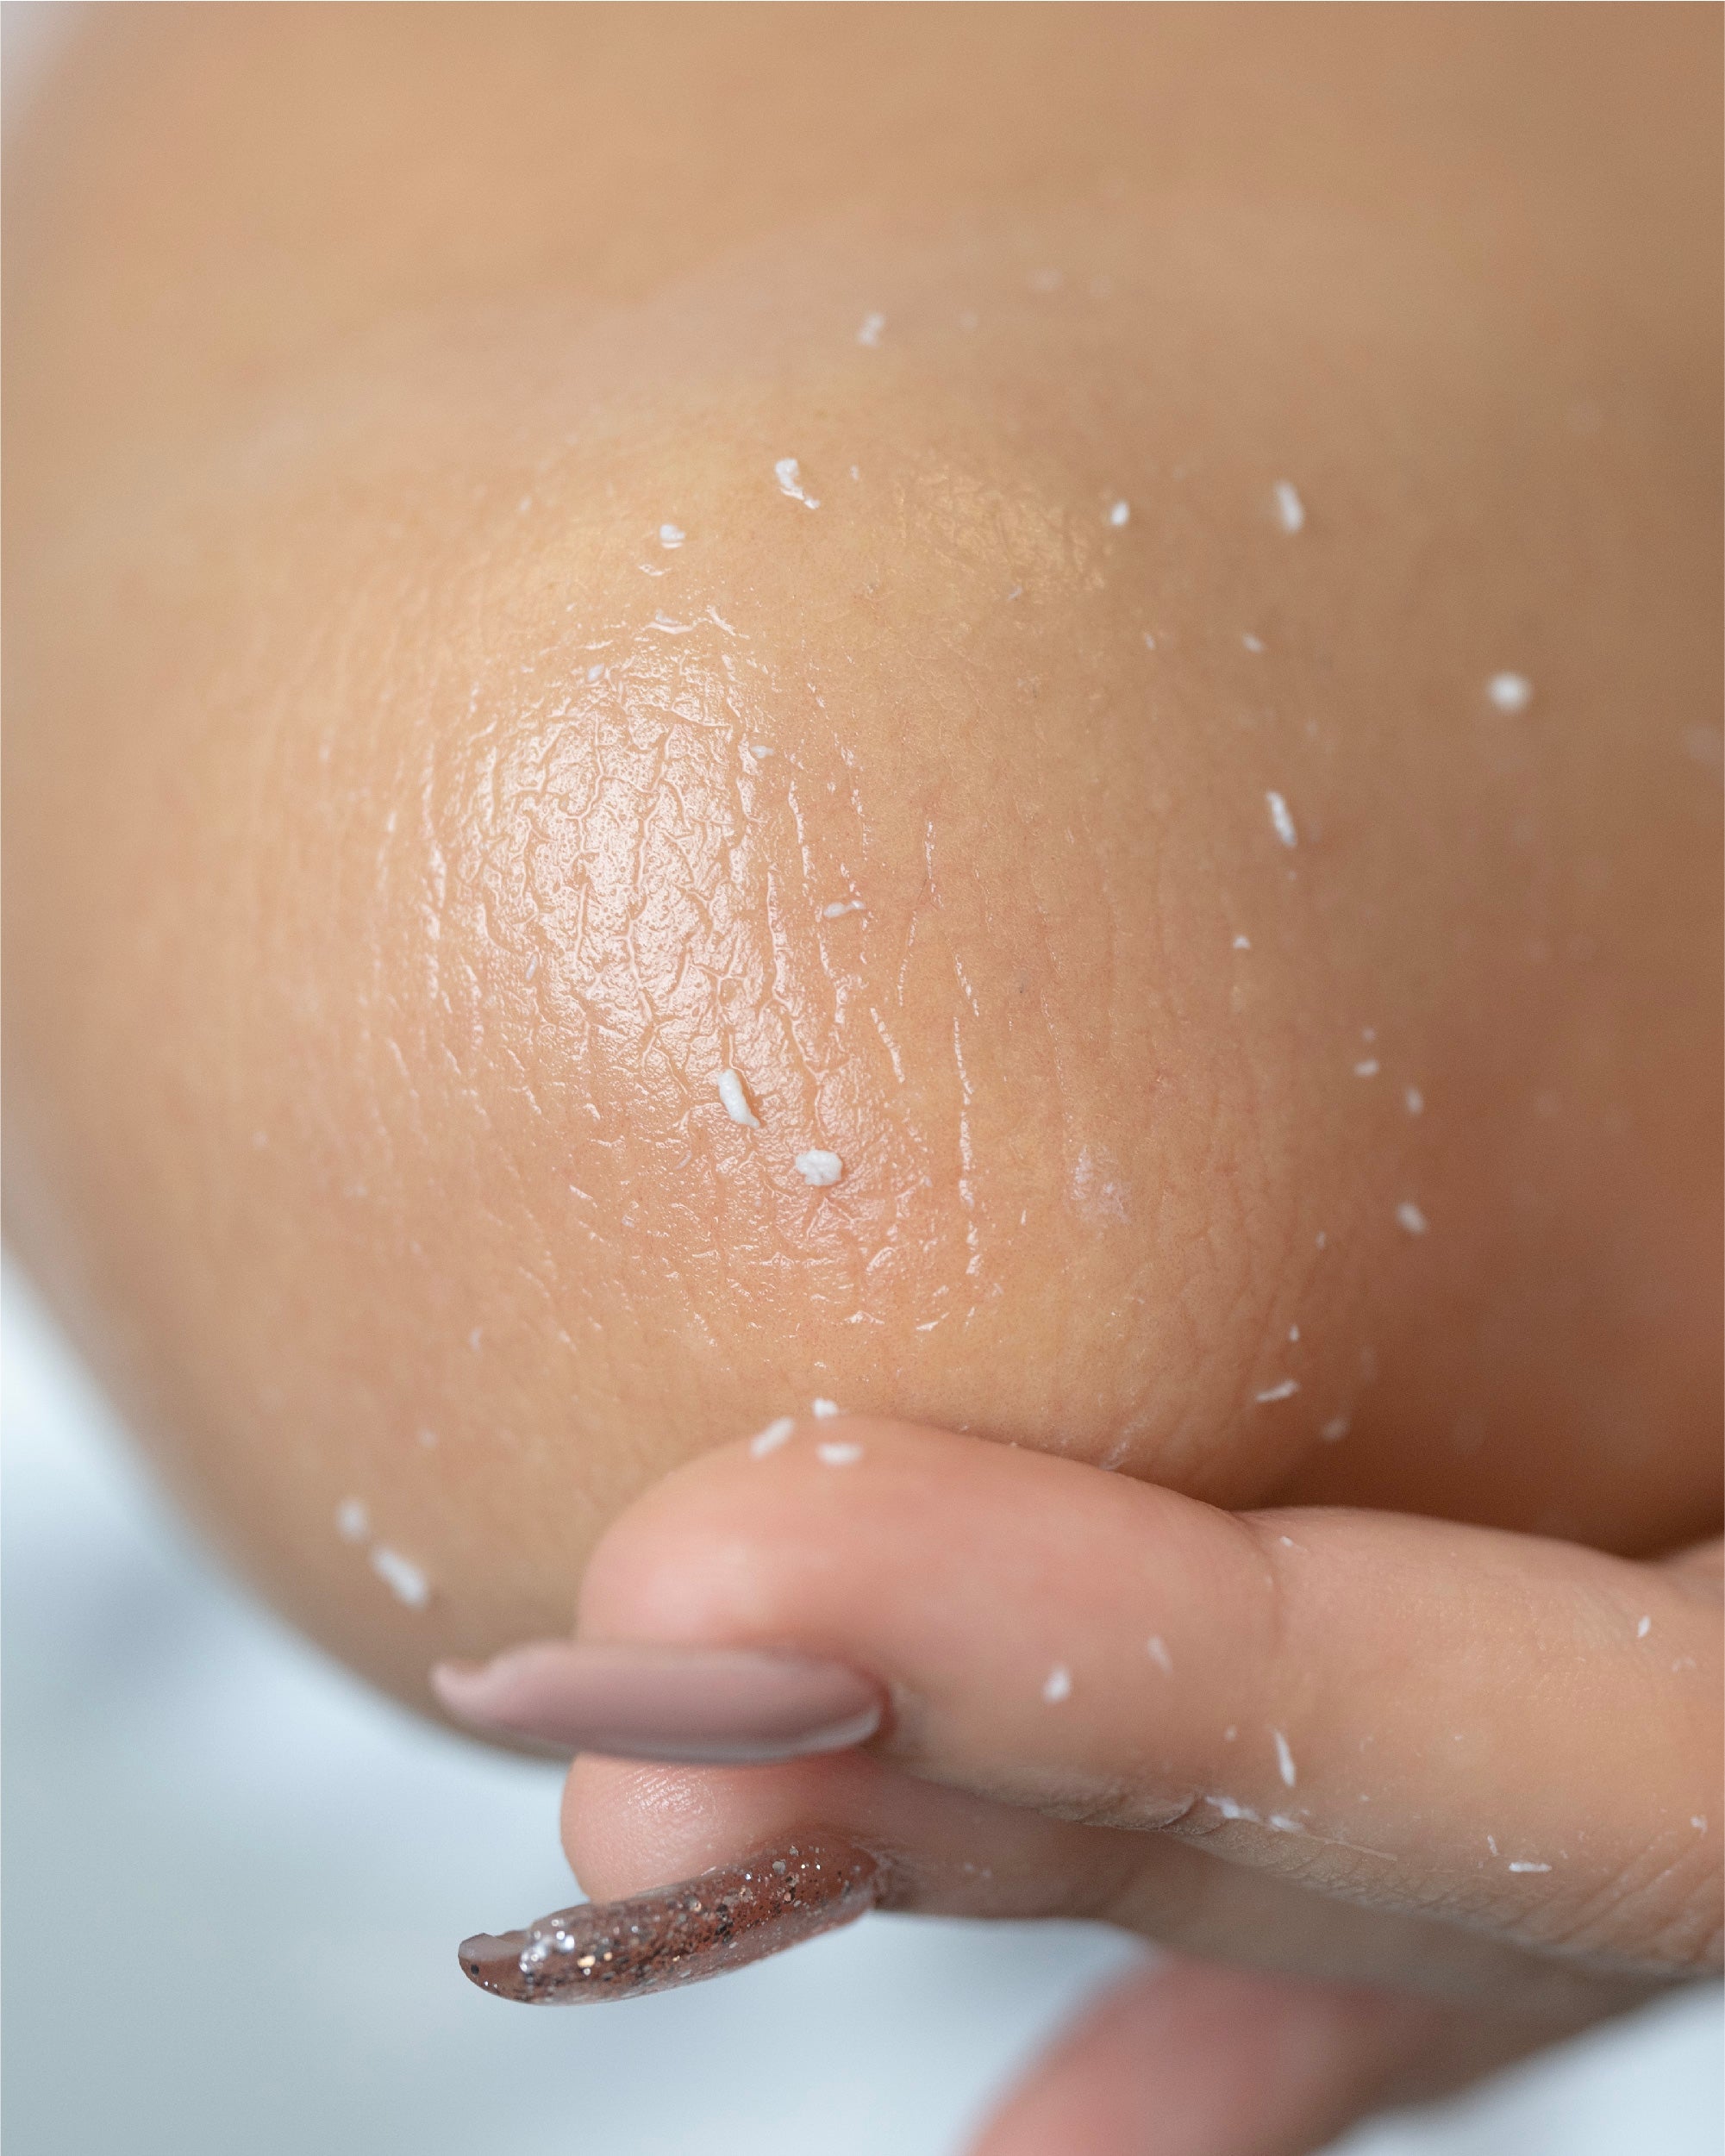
(628, 1828)
(1189, 2060)
(1421, 1718)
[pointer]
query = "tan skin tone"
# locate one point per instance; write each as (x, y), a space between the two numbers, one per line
(391, 863)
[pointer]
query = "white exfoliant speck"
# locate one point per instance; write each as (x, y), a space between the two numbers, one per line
(1149, 641)
(402, 1576)
(1231, 1809)
(1530, 1867)
(1284, 1758)
(1698, 1820)
(1367, 1069)
(1415, 1100)
(1157, 1648)
(1645, 1627)
(1411, 1218)
(1230, 1733)
(1335, 1430)
(776, 1434)
(670, 536)
(838, 1455)
(1293, 1332)
(1511, 692)
(1286, 1390)
(870, 332)
(839, 907)
(1243, 943)
(1058, 1685)
(1253, 643)
(1283, 1823)
(1281, 822)
(736, 1100)
(352, 1521)
(824, 1408)
(1491, 1843)
(819, 1168)
(1291, 510)
(790, 479)
(1120, 514)
(1322, 1239)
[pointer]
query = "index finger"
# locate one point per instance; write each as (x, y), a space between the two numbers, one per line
(1522, 1736)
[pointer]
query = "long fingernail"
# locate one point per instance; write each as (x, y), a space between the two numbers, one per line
(721, 1920)
(721, 1706)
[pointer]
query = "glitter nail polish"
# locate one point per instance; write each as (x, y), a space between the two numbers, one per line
(722, 1919)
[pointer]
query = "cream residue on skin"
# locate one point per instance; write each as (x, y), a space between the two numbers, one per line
(1510, 692)
(352, 1521)
(1410, 1218)
(869, 334)
(818, 1169)
(1291, 510)
(777, 1433)
(1058, 1685)
(404, 1579)
(838, 1454)
(1280, 821)
(789, 478)
(1284, 1758)
(732, 1093)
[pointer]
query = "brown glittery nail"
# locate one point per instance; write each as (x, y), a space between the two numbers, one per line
(723, 1919)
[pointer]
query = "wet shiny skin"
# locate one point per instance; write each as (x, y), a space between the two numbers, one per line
(392, 870)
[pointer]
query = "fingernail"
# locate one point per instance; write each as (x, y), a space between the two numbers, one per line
(722, 1919)
(721, 1706)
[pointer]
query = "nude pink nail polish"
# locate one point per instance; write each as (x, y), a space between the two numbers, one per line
(717, 1706)
(721, 1920)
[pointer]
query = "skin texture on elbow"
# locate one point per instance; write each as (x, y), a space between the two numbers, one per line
(424, 793)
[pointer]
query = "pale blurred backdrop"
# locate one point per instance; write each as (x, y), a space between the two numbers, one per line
(235, 1880)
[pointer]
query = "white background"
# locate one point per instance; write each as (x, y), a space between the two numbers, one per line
(236, 1880)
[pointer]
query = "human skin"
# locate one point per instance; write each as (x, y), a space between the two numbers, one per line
(371, 955)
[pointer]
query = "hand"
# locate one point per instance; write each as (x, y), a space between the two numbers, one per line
(1418, 1798)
